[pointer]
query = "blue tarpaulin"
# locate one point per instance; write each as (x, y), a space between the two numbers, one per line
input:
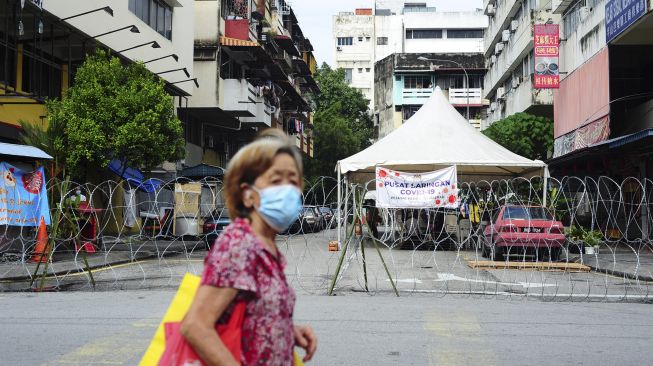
(23, 197)
(134, 177)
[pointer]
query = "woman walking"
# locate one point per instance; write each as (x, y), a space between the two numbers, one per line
(263, 193)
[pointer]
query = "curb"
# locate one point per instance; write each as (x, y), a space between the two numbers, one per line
(621, 274)
(22, 278)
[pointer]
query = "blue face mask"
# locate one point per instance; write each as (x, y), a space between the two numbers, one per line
(280, 205)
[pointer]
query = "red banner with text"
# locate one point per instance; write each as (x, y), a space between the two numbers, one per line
(547, 55)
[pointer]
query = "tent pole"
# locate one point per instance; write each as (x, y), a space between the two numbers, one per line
(344, 224)
(546, 185)
(339, 207)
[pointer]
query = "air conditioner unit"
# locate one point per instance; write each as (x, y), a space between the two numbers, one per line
(493, 106)
(498, 48)
(493, 59)
(505, 36)
(501, 92)
(583, 12)
(210, 143)
(514, 25)
(490, 10)
(338, 48)
(515, 83)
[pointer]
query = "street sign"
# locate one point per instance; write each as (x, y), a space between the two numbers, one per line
(547, 54)
(621, 14)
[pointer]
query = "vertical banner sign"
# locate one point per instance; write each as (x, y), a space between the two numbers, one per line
(23, 197)
(547, 54)
(621, 14)
(437, 189)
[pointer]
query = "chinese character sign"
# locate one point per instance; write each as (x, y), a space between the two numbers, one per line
(23, 197)
(407, 190)
(546, 44)
(621, 14)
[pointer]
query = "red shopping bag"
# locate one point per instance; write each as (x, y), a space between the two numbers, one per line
(179, 352)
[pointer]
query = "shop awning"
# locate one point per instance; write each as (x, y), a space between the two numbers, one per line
(203, 171)
(625, 140)
(23, 151)
(287, 44)
(235, 42)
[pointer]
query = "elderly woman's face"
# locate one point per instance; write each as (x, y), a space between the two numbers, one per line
(283, 171)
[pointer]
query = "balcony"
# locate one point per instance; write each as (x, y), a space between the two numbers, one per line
(239, 97)
(263, 117)
(237, 28)
(463, 97)
(412, 96)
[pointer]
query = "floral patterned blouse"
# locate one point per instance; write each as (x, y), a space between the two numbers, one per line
(240, 260)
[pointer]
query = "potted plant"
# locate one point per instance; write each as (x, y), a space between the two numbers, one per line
(592, 240)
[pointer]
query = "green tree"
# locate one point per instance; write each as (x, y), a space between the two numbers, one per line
(353, 105)
(115, 112)
(342, 123)
(334, 140)
(524, 134)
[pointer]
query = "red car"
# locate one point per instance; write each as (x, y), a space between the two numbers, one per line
(515, 229)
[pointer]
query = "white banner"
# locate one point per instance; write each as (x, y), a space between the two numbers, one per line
(407, 190)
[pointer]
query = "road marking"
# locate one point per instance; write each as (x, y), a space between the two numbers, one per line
(444, 277)
(116, 349)
(405, 280)
(457, 339)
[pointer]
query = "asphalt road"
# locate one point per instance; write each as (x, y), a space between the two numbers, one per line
(114, 328)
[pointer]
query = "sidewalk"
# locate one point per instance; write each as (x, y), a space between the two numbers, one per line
(68, 263)
(622, 261)
(113, 252)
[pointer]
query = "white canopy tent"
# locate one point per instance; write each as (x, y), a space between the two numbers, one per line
(436, 137)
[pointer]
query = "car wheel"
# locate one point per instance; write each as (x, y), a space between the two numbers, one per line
(496, 254)
(555, 254)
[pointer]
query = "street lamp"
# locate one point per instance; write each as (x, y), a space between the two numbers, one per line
(153, 43)
(105, 8)
(422, 58)
(161, 58)
(181, 69)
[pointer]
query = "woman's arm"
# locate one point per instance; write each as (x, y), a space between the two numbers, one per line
(198, 327)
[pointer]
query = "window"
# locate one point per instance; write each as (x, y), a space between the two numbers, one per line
(360, 39)
(409, 110)
(367, 39)
(464, 33)
(348, 75)
(345, 41)
(423, 33)
(360, 69)
(417, 82)
(382, 41)
(367, 69)
(155, 13)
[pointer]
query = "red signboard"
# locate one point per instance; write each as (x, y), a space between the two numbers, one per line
(547, 55)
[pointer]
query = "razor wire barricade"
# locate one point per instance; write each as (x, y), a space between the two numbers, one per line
(132, 236)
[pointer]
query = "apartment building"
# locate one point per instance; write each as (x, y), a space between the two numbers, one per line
(510, 60)
(603, 109)
(367, 36)
(42, 43)
(405, 81)
(257, 69)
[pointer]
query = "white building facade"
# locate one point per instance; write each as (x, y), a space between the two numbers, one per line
(366, 36)
(508, 50)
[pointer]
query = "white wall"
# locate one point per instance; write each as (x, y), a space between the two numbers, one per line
(101, 22)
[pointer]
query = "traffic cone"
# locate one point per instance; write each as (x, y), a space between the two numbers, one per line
(41, 250)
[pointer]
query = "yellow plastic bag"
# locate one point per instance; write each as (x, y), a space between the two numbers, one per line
(176, 312)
